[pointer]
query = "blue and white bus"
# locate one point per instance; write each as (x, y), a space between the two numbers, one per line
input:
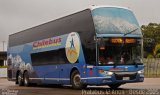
(102, 45)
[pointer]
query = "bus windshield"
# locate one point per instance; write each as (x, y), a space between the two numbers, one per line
(120, 51)
(113, 20)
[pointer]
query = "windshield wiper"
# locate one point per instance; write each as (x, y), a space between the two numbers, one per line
(123, 44)
(136, 65)
(131, 31)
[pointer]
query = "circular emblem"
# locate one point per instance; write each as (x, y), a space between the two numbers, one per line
(72, 47)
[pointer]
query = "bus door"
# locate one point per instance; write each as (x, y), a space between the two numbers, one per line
(91, 68)
(91, 74)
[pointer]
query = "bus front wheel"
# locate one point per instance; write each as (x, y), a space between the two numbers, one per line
(76, 80)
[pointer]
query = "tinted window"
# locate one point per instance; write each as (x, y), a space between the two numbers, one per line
(49, 57)
(90, 53)
(112, 20)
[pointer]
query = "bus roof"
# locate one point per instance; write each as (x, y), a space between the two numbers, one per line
(80, 21)
(90, 8)
(108, 6)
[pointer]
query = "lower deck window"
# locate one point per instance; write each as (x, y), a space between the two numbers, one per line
(49, 57)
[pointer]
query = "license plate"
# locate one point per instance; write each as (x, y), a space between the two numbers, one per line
(126, 78)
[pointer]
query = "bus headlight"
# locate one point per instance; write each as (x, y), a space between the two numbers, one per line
(109, 73)
(105, 72)
(141, 71)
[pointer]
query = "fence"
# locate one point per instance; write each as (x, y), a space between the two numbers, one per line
(152, 67)
(3, 72)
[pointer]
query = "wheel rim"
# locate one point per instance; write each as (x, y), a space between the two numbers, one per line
(25, 81)
(77, 80)
(19, 78)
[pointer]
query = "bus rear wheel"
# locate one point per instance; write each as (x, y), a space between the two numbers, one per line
(76, 81)
(20, 79)
(26, 79)
(114, 86)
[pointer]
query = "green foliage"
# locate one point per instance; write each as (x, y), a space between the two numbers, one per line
(150, 56)
(151, 32)
(3, 66)
(158, 55)
(157, 49)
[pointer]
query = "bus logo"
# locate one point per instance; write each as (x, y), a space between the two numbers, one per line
(72, 47)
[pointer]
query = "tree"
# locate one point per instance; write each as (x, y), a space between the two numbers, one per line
(151, 33)
(157, 51)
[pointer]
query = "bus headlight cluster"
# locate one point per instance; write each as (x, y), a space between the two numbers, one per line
(141, 71)
(105, 72)
(109, 73)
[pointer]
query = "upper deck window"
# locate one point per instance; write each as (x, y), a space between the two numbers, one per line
(112, 20)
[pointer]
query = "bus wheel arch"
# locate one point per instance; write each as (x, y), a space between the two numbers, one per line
(75, 79)
(19, 78)
(17, 73)
(73, 69)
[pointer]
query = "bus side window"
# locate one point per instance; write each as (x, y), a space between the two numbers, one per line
(49, 57)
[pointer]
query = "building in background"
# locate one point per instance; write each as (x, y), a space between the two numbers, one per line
(3, 58)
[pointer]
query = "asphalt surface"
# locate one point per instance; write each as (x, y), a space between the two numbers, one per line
(151, 86)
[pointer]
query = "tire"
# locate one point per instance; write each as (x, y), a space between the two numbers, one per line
(26, 79)
(114, 86)
(76, 80)
(20, 79)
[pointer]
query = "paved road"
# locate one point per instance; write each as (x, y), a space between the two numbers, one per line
(149, 86)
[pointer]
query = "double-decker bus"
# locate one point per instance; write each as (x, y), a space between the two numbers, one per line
(101, 45)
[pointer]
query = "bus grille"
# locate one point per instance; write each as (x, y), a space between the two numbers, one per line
(122, 76)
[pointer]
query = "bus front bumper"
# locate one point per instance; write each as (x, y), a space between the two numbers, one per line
(113, 79)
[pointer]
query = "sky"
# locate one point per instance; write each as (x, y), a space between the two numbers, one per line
(18, 15)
